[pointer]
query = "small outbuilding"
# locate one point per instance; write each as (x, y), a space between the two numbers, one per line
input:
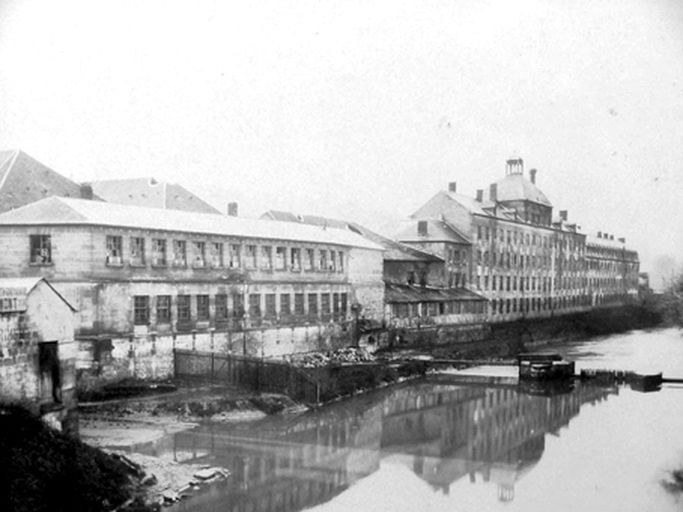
(37, 349)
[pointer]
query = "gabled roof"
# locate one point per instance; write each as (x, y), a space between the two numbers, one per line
(151, 193)
(24, 286)
(59, 211)
(24, 179)
(437, 231)
(393, 250)
(406, 293)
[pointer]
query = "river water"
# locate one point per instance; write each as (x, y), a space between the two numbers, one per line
(434, 445)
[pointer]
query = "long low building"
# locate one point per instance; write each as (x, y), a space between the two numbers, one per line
(142, 271)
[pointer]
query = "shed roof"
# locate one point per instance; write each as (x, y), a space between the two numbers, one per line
(59, 211)
(437, 231)
(406, 293)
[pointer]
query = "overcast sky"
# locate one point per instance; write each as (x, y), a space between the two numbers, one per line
(360, 110)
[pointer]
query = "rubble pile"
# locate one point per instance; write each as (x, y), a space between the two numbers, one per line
(348, 355)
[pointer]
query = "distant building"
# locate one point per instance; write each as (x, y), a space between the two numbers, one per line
(23, 180)
(37, 348)
(506, 245)
(150, 193)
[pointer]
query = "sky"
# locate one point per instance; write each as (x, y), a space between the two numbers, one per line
(360, 110)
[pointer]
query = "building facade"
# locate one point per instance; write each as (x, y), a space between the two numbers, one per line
(525, 262)
(139, 272)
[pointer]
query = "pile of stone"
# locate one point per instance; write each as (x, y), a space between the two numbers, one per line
(349, 355)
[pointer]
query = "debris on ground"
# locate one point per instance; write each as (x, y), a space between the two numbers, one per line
(348, 355)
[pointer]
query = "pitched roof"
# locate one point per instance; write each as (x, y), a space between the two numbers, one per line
(515, 187)
(59, 211)
(410, 293)
(151, 193)
(437, 231)
(393, 250)
(23, 179)
(24, 286)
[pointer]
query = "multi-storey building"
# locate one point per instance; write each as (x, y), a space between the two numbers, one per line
(527, 264)
(612, 269)
(422, 287)
(142, 271)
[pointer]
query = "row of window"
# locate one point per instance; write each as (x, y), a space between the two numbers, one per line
(422, 309)
(202, 254)
(484, 233)
(226, 308)
(531, 304)
(527, 283)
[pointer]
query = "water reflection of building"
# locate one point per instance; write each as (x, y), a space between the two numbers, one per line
(441, 432)
(498, 433)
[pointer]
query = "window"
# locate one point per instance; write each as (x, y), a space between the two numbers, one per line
(114, 250)
(163, 309)
(344, 303)
(216, 254)
(309, 260)
(299, 304)
(266, 257)
(158, 252)
(221, 307)
(141, 309)
(235, 256)
(137, 251)
(322, 261)
(202, 307)
(312, 304)
(199, 254)
(237, 305)
(179, 253)
(184, 314)
(333, 261)
(280, 258)
(250, 257)
(40, 249)
(335, 304)
(295, 259)
(285, 304)
(325, 304)
(254, 305)
(271, 311)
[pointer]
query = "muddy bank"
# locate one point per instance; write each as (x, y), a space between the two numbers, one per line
(135, 429)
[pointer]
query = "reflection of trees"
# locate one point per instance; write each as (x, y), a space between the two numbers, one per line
(442, 432)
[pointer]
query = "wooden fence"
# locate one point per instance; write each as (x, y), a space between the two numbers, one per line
(262, 376)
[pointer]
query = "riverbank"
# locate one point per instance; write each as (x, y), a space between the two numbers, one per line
(136, 427)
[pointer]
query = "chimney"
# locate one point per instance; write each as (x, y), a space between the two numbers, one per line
(86, 191)
(480, 195)
(563, 215)
(599, 234)
(514, 166)
(422, 228)
(622, 240)
(232, 209)
(532, 175)
(611, 237)
(493, 192)
(452, 187)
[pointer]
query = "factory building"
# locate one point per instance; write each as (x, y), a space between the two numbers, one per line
(505, 244)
